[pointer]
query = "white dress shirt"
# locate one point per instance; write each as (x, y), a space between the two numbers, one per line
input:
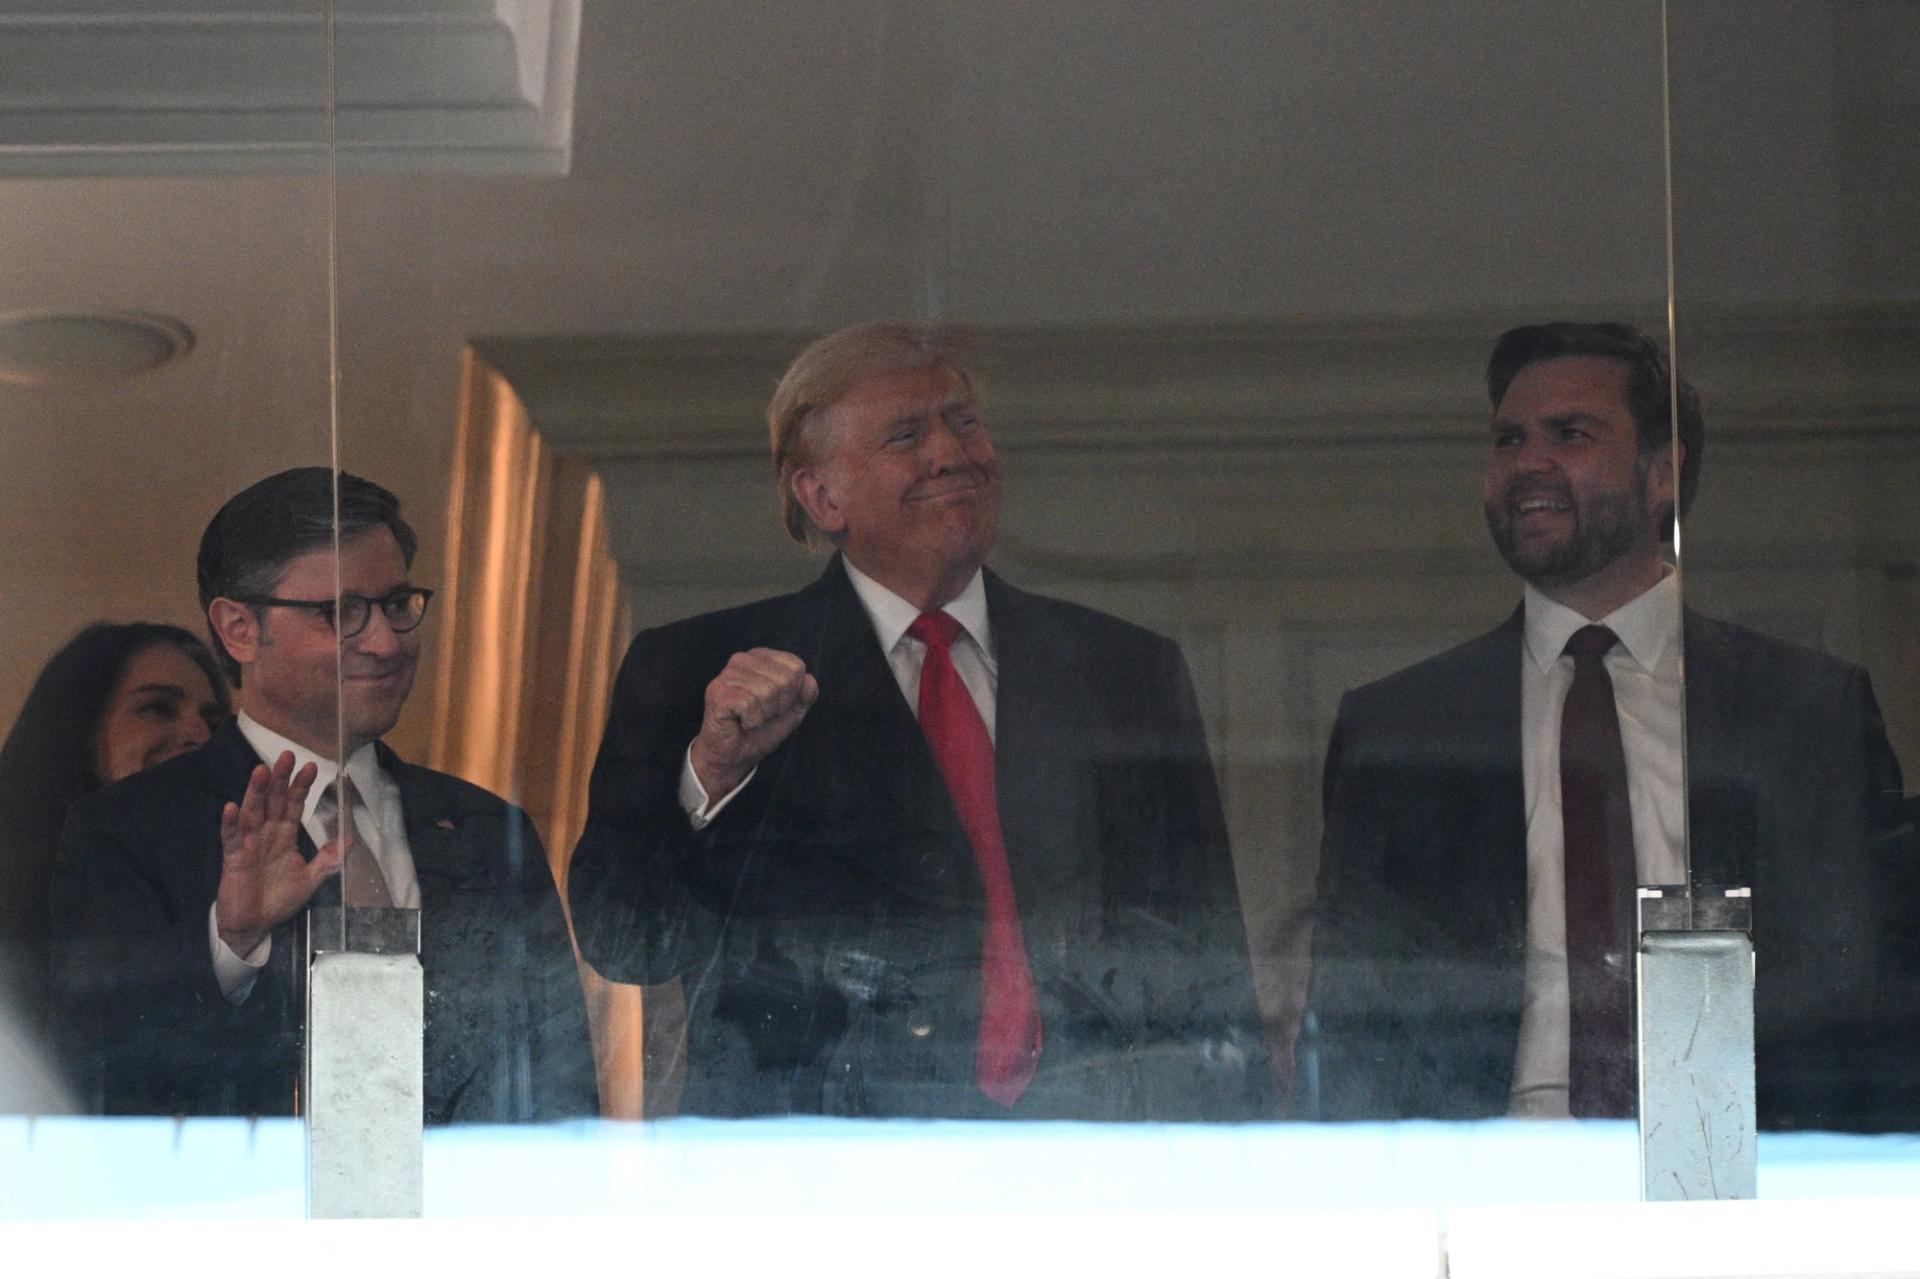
(1645, 667)
(378, 821)
(973, 661)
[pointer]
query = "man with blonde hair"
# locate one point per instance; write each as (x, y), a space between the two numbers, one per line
(914, 841)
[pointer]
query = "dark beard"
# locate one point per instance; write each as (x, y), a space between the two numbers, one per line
(1605, 529)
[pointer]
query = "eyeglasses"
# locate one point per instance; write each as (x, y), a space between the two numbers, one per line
(404, 609)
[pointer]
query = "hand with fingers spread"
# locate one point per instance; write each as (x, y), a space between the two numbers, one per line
(264, 879)
(751, 707)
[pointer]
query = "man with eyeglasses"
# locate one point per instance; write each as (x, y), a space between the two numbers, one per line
(177, 895)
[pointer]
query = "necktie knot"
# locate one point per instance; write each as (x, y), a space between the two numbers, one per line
(936, 629)
(364, 883)
(1590, 642)
(327, 808)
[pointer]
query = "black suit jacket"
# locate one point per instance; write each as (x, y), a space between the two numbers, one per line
(827, 924)
(1420, 943)
(148, 1031)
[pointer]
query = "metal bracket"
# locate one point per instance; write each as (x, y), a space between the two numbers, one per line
(365, 930)
(365, 1062)
(1697, 1112)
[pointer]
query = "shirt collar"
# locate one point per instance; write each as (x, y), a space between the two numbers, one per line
(1646, 625)
(363, 766)
(892, 615)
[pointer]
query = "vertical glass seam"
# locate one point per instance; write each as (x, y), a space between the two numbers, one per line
(1673, 419)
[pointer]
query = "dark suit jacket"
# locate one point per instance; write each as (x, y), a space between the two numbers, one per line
(1420, 944)
(150, 1033)
(827, 924)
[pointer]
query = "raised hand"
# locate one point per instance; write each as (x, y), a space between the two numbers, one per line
(263, 878)
(751, 707)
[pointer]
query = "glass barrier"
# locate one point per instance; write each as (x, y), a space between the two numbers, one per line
(163, 348)
(1246, 791)
(1233, 280)
(1795, 190)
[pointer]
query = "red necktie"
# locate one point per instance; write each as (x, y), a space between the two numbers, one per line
(1600, 886)
(1009, 1045)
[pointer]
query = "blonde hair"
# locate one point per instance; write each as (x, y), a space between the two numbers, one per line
(826, 371)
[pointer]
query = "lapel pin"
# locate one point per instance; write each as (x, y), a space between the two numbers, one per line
(444, 823)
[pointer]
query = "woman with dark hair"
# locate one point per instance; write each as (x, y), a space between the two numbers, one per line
(117, 698)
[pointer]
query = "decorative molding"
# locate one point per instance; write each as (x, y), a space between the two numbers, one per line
(141, 88)
(1828, 377)
(1338, 457)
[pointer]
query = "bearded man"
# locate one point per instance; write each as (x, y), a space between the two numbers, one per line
(1490, 811)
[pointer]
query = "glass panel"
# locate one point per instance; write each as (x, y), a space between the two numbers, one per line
(1235, 277)
(427, 170)
(1795, 190)
(163, 347)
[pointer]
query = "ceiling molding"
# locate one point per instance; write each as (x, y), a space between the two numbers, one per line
(1823, 376)
(219, 87)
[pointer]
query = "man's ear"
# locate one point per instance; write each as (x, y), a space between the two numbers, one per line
(1663, 487)
(238, 627)
(820, 499)
(1663, 475)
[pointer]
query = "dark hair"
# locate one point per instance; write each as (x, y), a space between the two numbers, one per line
(47, 764)
(1650, 387)
(250, 542)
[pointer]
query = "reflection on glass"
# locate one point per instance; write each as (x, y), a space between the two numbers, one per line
(1793, 201)
(1236, 274)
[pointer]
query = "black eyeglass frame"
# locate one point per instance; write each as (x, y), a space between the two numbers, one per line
(328, 609)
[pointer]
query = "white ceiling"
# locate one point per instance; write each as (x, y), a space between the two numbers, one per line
(203, 87)
(752, 167)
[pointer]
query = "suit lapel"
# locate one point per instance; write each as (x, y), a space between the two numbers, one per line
(1721, 821)
(1039, 751)
(1495, 716)
(858, 762)
(1490, 805)
(431, 824)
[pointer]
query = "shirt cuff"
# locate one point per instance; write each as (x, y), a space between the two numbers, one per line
(693, 796)
(235, 973)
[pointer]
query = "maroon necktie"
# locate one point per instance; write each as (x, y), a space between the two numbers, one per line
(1600, 886)
(1009, 1045)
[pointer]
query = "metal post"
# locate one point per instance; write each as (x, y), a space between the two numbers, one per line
(1697, 1118)
(364, 1061)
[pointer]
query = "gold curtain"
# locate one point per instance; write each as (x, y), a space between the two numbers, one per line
(532, 629)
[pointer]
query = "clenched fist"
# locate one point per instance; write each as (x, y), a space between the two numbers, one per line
(751, 707)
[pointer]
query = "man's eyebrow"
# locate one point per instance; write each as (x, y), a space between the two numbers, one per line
(913, 417)
(1558, 419)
